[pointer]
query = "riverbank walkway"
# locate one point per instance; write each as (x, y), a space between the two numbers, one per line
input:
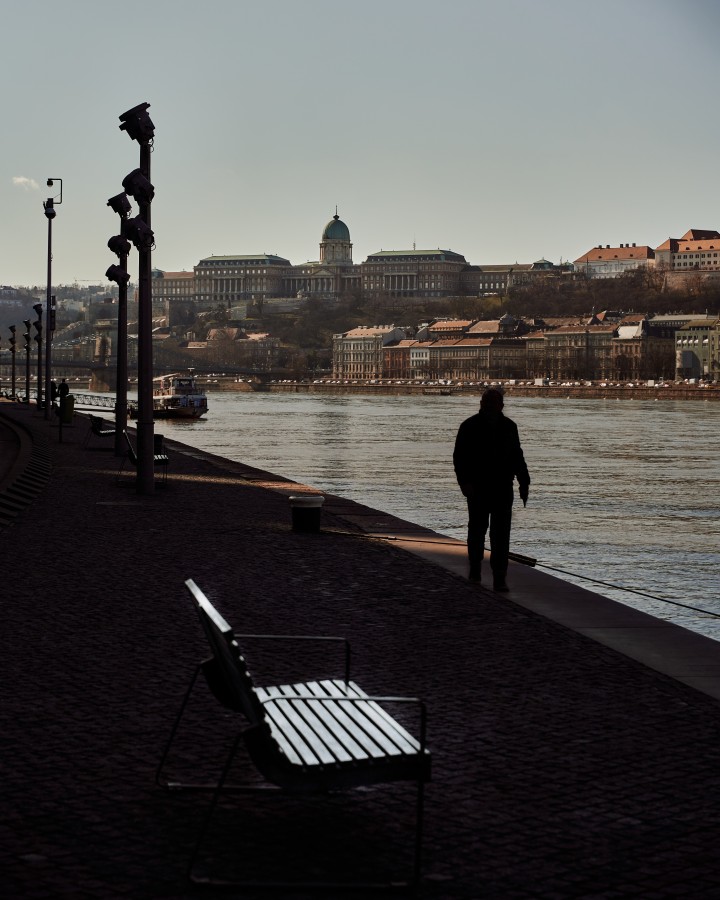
(576, 743)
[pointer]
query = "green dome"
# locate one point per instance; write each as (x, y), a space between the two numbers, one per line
(336, 230)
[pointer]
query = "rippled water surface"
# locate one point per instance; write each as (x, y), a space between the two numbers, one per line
(625, 492)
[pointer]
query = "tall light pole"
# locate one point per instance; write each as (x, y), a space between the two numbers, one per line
(39, 338)
(26, 323)
(13, 394)
(120, 245)
(140, 128)
(49, 207)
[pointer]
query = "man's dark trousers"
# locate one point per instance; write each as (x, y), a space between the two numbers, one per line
(498, 513)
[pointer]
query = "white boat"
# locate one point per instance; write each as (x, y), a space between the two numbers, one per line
(176, 397)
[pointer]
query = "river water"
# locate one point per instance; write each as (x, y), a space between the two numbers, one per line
(624, 492)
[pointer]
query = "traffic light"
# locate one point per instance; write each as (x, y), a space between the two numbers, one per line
(38, 331)
(26, 323)
(12, 338)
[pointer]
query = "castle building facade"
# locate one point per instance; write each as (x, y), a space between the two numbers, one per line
(241, 279)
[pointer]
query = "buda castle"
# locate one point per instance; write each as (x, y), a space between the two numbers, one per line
(242, 279)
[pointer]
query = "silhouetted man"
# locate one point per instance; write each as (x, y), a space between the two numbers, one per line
(487, 459)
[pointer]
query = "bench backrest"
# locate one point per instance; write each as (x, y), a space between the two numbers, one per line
(233, 684)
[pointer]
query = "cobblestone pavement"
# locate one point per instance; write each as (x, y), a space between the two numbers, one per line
(561, 769)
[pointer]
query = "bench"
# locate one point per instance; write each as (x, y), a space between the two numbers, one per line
(309, 737)
(99, 428)
(160, 460)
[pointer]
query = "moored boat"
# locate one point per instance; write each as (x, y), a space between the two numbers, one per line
(176, 397)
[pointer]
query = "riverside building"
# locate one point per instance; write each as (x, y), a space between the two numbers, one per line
(509, 348)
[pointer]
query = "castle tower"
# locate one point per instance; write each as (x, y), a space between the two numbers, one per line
(335, 246)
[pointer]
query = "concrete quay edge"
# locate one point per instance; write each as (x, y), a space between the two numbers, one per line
(686, 656)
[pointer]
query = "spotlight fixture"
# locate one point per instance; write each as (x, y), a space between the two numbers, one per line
(138, 123)
(49, 207)
(138, 187)
(119, 204)
(140, 233)
(118, 275)
(119, 245)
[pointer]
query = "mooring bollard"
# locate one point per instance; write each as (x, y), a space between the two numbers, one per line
(305, 511)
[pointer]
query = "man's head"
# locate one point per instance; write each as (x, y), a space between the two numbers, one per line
(492, 401)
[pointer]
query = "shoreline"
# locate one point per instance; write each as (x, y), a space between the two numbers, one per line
(672, 391)
(558, 392)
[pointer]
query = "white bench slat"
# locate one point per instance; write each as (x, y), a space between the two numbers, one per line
(383, 733)
(381, 726)
(315, 721)
(288, 731)
(343, 724)
(326, 732)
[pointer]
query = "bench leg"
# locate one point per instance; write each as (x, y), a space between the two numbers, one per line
(209, 880)
(158, 779)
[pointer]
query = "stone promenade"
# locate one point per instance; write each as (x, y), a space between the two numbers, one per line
(561, 768)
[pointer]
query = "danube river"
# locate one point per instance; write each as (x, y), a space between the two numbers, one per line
(623, 492)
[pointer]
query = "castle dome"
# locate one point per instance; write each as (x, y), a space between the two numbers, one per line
(336, 230)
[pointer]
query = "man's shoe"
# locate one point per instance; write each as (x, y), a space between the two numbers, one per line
(500, 586)
(475, 572)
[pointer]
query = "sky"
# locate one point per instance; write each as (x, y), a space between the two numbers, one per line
(504, 131)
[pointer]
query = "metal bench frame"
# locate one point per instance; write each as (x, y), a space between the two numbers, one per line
(311, 737)
(99, 428)
(160, 460)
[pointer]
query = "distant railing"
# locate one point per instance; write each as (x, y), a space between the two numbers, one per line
(94, 401)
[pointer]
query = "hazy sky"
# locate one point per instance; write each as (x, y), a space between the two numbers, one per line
(506, 131)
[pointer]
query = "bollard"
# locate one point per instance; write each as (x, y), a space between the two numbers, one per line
(67, 409)
(305, 511)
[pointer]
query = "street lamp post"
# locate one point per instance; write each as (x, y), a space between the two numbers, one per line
(49, 207)
(26, 323)
(119, 274)
(140, 128)
(12, 351)
(39, 338)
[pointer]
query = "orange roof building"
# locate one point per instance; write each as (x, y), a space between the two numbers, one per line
(610, 262)
(696, 249)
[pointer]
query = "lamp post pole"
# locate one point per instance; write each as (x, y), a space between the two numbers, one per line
(139, 126)
(121, 247)
(146, 428)
(49, 207)
(39, 338)
(12, 351)
(26, 323)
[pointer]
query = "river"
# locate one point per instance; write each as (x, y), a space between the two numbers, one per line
(624, 492)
